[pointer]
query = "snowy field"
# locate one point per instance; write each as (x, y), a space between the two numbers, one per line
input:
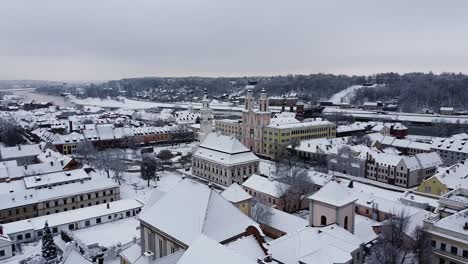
(136, 104)
(346, 95)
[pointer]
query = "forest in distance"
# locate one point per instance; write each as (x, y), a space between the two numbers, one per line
(414, 91)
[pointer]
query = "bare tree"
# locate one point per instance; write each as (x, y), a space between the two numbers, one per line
(393, 245)
(422, 246)
(85, 151)
(11, 132)
(261, 213)
(296, 183)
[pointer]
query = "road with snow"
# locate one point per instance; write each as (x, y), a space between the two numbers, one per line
(347, 94)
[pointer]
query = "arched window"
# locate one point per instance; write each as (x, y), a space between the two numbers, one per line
(323, 220)
(346, 223)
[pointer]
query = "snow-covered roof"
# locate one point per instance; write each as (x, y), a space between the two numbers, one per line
(454, 223)
(72, 216)
(224, 149)
(29, 170)
(454, 176)
(334, 194)
(455, 143)
(19, 151)
(227, 144)
(208, 251)
(301, 124)
(247, 246)
(201, 211)
(14, 193)
(285, 222)
(55, 178)
(265, 185)
(235, 193)
(327, 245)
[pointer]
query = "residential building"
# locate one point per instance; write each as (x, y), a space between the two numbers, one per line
(449, 237)
(446, 179)
(267, 191)
(223, 160)
(404, 171)
(30, 230)
(31, 198)
(229, 127)
(276, 137)
(6, 245)
(452, 149)
(23, 154)
(446, 110)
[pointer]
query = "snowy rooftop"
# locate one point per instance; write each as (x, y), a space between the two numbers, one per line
(455, 222)
(301, 124)
(247, 246)
(265, 185)
(29, 170)
(334, 194)
(14, 194)
(331, 244)
(454, 176)
(21, 151)
(208, 251)
(224, 149)
(205, 212)
(285, 222)
(72, 216)
(55, 178)
(235, 193)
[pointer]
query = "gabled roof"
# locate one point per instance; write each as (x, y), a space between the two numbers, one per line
(265, 185)
(227, 144)
(235, 193)
(191, 209)
(331, 244)
(208, 251)
(334, 194)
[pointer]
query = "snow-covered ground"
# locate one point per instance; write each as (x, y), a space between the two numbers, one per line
(345, 95)
(136, 104)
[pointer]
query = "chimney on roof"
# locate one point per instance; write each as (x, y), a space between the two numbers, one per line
(1, 230)
(465, 227)
(19, 147)
(148, 255)
(210, 185)
(108, 206)
(61, 162)
(351, 184)
(40, 146)
(25, 166)
(51, 163)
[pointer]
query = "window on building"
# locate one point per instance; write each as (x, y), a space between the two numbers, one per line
(87, 223)
(433, 243)
(346, 222)
(2, 253)
(442, 246)
(465, 253)
(71, 226)
(27, 235)
(454, 250)
(54, 229)
(98, 220)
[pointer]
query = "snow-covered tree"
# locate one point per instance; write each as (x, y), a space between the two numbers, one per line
(49, 249)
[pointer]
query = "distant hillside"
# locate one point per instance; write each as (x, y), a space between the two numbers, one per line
(417, 91)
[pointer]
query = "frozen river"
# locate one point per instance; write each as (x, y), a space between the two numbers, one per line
(31, 95)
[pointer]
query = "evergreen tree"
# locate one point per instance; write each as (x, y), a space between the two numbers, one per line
(49, 249)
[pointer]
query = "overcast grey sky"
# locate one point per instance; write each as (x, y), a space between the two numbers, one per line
(113, 39)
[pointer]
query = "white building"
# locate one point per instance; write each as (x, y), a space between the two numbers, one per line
(223, 160)
(31, 229)
(206, 122)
